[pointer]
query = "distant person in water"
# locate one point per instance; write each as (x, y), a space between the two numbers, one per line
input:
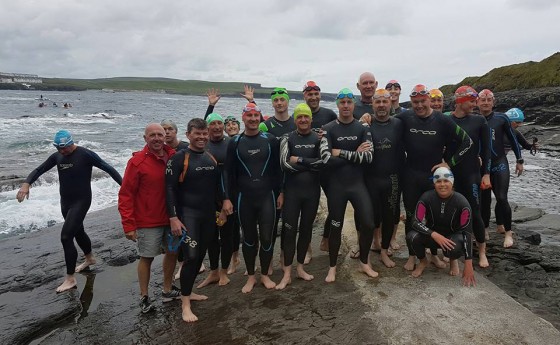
(74, 164)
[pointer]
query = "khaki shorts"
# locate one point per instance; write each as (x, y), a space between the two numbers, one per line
(152, 241)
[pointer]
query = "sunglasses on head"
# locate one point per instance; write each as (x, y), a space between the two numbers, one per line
(345, 95)
(419, 93)
(312, 88)
(390, 85)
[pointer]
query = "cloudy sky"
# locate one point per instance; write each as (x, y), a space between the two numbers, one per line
(276, 43)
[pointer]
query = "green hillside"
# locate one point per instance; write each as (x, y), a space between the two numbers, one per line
(528, 75)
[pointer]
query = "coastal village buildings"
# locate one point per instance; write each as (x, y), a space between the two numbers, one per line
(11, 78)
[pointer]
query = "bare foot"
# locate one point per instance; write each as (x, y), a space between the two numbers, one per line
(249, 285)
(212, 278)
(324, 246)
(178, 274)
(233, 263)
(501, 229)
(384, 257)
(454, 268)
(308, 256)
(202, 268)
(90, 260)
(197, 297)
(508, 239)
(367, 270)
(301, 274)
(286, 279)
(224, 280)
(436, 261)
(267, 282)
(482, 259)
(486, 234)
(69, 282)
(395, 245)
(188, 315)
(420, 268)
(331, 276)
(409, 265)
(445, 259)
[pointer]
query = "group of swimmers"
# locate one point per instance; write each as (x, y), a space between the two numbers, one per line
(190, 198)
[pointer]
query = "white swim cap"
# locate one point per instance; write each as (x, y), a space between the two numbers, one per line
(443, 173)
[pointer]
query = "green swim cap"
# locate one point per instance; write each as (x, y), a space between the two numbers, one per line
(214, 117)
(279, 92)
(302, 109)
(344, 93)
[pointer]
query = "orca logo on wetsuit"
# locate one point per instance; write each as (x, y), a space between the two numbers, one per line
(347, 138)
(65, 166)
(254, 152)
(421, 131)
(204, 168)
(310, 146)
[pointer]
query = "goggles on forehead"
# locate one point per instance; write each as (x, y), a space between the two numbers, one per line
(312, 88)
(254, 109)
(390, 85)
(419, 93)
(442, 176)
(384, 94)
(279, 92)
(231, 119)
(345, 95)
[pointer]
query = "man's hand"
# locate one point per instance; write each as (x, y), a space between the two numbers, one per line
(519, 169)
(442, 241)
(320, 134)
(213, 96)
(366, 118)
(176, 226)
(442, 164)
(248, 94)
(227, 207)
(364, 147)
(485, 183)
(468, 274)
(335, 152)
(222, 218)
(23, 192)
(293, 159)
(131, 235)
(280, 201)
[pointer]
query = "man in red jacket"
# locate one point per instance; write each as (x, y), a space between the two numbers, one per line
(143, 213)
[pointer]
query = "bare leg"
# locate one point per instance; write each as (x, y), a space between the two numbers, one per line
(233, 263)
(267, 282)
(482, 259)
(202, 268)
(286, 279)
(308, 255)
(69, 282)
(500, 229)
(301, 274)
(224, 280)
(144, 267)
(394, 244)
(169, 262)
(250, 284)
(331, 276)
(376, 244)
(420, 268)
(508, 239)
(409, 265)
(188, 315)
(486, 234)
(178, 274)
(454, 267)
(90, 260)
(384, 257)
(324, 246)
(212, 278)
(367, 270)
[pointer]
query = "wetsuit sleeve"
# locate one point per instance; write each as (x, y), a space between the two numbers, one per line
(508, 130)
(485, 142)
(285, 154)
(464, 225)
(360, 157)
(326, 153)
(229, 168)
(418, 222)
(522, 141)
(127, 195)
(41, 169)
(173, 170)
(209, 111)
(97, 162)
(463, 140)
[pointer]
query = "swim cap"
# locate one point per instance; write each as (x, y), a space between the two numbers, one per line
(486, 94)
(344, 93)
(464, 94)
(302, 109)
(443, 173)
(379, 93)
(169, 123)
(310, 86)
(279, 92)
(419, 91)
(392, 83)
(436, 93)
(251, 108)
(515, 115)
(231, 118)
(62, 139)
(214, 117)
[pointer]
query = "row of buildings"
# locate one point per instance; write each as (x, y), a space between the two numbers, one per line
(11, 78)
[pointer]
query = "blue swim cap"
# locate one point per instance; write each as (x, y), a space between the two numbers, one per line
(515, 115)
(62, 139)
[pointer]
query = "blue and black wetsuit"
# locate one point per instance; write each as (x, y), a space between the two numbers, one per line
(449, 217)
(253, 170)
(500, 126)
(383, 176)
(346, 183)
(467, 172)
(74, 175)
(193, 187)
(523, 143)
(301, 191)
(424, 142)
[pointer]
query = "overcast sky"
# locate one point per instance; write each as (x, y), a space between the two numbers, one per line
(276, 43)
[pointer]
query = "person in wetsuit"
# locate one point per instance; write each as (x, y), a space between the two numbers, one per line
(436, 100)
(193, 185)
(281, 123)
(443, 218)
(74, 165)
(366, 85)
(171, 136)
(517, 117)
(300, 160)
(500, 126)
(467, 173)
(345, 147)
(394, 88)
(425, 134)
(253, 171)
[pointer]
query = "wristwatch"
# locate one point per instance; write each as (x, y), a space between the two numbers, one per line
(520, 161)
(300, 159)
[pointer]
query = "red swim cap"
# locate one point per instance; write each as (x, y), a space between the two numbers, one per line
(419, 91)
(486, 94)
(464, 94)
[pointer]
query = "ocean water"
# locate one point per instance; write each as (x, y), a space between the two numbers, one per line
(112, 124)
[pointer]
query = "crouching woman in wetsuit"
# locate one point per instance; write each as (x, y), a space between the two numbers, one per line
(74, 165)
(443, 218)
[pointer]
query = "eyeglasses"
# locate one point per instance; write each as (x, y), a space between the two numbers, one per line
(312, 88)
(390, 85)
(345, 95)
(419, 93)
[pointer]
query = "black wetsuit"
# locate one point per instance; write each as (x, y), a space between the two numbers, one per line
(301, 192)
(252, 166)
(424, 141)
(500, 126)
(346, 183)
(74, 175)
(467, 172)
(449, 217)
(279, 128)
(360, 108)
(383, 178)
(193, 185)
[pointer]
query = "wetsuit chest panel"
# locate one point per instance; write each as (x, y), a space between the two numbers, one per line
(218, 149)
(255, 163)
(198, 189)
(322, 117)
(279, 128)
(74, 173)
(389, 152)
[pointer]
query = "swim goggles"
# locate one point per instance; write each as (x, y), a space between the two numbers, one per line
(174, 242)
(442, 176)
(381, 93)
(345, 95)
(390, 85)
(436, 93)
(279, 92)
(232, 119)
(254, 109)
(419, 93)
